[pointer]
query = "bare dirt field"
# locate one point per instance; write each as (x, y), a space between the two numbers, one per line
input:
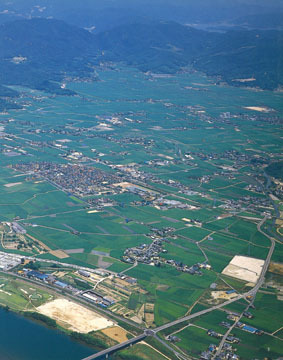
(12, 184)
(149, 319)
(60, 254)
(276, 268)
(74, 251)
(263, 109)
(244, 268)
(116, 333)
(40, 242)
(75, 317)
(223, 295)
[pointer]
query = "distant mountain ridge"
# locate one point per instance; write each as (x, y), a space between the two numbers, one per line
(39, 53)
(262, 21)
(166, 47)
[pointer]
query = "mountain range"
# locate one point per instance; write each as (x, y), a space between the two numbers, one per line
(39, 53)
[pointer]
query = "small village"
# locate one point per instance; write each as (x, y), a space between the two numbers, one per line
(151, 255)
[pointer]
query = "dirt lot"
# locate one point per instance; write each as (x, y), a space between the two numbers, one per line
(276, 268)
(13, 184)
(244, 268)
(149, 307)
(222, 295)
(73, 316)
(258, 108)
(60, 254)
(149, 319)
(116, 333)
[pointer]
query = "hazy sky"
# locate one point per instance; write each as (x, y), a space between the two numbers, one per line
(100, 12)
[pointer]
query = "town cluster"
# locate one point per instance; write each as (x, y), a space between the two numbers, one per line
(150, 254)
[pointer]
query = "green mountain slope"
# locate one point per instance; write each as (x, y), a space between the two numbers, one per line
(39, 53)
(166, 47)
(35, 52)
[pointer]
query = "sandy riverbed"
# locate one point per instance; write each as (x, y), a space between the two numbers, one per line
(74, 316)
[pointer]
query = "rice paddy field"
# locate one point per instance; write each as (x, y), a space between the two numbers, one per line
(202, 150)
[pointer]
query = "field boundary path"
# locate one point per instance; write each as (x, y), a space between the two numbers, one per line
(153, 332)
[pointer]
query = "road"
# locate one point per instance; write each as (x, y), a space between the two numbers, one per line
(228, 332)
(267, 260)
(77, 298)
(251, 292)
(178, 354)
(116, 347)
(168, 325)
(199, 313)
(99, 282)
(256, 288)
(130, 268)
(153, 332)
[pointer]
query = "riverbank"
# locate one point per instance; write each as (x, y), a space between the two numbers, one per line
(26, 339)
(24, 299)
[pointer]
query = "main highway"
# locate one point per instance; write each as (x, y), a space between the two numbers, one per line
(117, 347)
(257, 286)
(153, 332)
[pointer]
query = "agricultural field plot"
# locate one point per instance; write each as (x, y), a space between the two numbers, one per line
(232, 245)
(86, 222)
(194, 233)
(220, 224)
(269, 322)
(248, 231)
(172, 292)
(184, 251)
(195, 163)
(212, 321)
(146, 351)
(33, 198)
(265, 346)
(194, 340)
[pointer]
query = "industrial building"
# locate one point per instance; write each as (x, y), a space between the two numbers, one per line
(8, 261)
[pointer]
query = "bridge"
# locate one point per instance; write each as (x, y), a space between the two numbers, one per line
(117, 347)
(153, 332)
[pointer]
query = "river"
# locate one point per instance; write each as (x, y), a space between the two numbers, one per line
(23, 339)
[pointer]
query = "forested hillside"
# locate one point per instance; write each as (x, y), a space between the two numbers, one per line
(39, 53)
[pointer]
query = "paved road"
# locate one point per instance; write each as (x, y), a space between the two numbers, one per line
(116, 347)
(199, 313)
(267, 260)
(256, 288)
(77, 298)
(130, 268)
(178, 354)
(228, 332)
(251, 292)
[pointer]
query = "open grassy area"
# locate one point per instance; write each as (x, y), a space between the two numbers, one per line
(139, 351)
(186, 158)
(194, 340)
(20, 296)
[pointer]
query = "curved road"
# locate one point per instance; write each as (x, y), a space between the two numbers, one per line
(256, 288)
(153, 332)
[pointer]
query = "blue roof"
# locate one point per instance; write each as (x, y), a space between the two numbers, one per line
(249, 328)
(230, 291)
(37, 275)
(61, 284)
